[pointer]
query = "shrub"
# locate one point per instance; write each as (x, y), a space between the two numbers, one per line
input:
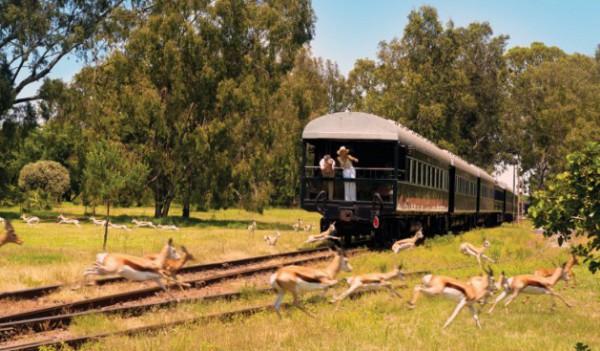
(44, 180)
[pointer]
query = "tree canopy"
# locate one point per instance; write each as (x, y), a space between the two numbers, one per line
(212, 96)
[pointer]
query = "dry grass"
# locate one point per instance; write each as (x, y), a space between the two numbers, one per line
(54, 253)
(375, 321)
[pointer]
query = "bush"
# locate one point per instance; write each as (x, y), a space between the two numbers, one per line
(44, 180)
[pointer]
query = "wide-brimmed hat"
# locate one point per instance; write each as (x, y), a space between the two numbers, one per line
(343, 151)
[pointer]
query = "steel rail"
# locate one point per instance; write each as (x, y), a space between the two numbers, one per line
(108, 300)
(47, 289)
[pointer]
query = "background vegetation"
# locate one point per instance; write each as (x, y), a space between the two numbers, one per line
(212, 95)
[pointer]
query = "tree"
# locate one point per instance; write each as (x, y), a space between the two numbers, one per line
(552, 107)
(36, 35)
(45, 179)
(444, 82)
(570, 206)
(112, 172)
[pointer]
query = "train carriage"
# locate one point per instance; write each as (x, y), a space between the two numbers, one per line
(402, 180)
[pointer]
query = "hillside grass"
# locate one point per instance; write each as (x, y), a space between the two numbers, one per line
(380, 321)
(54, 253)
(375, 321)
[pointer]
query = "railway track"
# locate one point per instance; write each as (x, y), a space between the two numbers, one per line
(32, 293)
(248, 267)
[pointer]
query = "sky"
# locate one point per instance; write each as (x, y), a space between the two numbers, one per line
(347, 30)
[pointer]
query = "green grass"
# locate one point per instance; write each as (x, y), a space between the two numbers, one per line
(59, 253)
(377, 321)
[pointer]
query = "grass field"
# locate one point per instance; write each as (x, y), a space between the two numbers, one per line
(377, 321)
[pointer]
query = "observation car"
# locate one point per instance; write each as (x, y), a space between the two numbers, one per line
(402, 181)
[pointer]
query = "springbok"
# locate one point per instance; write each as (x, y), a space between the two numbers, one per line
(98, 222)
(469, 249)
(530, 284)
(477, 289)
(252, 227)
(371, 281)
(119, 226)
(297, 279)
(30, 220)
(298, 225)
(64, 220)
(308, 227)
(168, 227)
(1, 219)
(272, 240)
(172, 266)
(10, 236)
(136, 268)
(324, 235)
(547, 272)
(140, 224)
(408, 243)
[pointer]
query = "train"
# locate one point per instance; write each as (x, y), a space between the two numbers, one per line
(402, 182)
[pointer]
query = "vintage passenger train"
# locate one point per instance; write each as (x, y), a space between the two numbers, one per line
(402, 181)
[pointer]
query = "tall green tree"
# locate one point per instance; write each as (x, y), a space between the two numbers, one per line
(36, 35)
(112, 172)
(447, 83)
(570, 205)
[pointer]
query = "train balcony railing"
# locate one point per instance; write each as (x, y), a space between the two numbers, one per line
(370, 184)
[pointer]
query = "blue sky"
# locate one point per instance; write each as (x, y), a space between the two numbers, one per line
(347, 30)
(350, 29)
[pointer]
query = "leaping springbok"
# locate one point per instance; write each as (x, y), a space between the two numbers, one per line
(323, 236)
(476, 290)
(140, 224)
(172, 266)
(547, 272)
(297, 279)
(372, 281)
(298, 225)
(64, 220)
(469, 249)
(10, 236)
(168, 227)
(119, 226)
(531, 284)
(408, 243)
(252, 228)
(272, 240)
(30, 220)
(98, 222)
(136, 268)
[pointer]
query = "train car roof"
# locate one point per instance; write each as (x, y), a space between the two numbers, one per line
(366, 126)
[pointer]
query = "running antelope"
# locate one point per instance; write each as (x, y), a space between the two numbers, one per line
(469, 249)
(97, 221)
(10, 236)
(64, 220)
(172, 266)
(252, 227)
(297, 279)
(530, 284)
(168, 227)
(272, 240)
(372, 281)
(408, 243)
(140, 224)
(298, 225)
(324, 235)
(477, 289)
(30, 220)
(136, 268)
(547, 272)
(119, 226)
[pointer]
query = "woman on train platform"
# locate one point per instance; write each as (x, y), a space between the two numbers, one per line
(348, 172)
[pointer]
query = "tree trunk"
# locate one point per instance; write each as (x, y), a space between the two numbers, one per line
(186, 207)
(106, 225)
